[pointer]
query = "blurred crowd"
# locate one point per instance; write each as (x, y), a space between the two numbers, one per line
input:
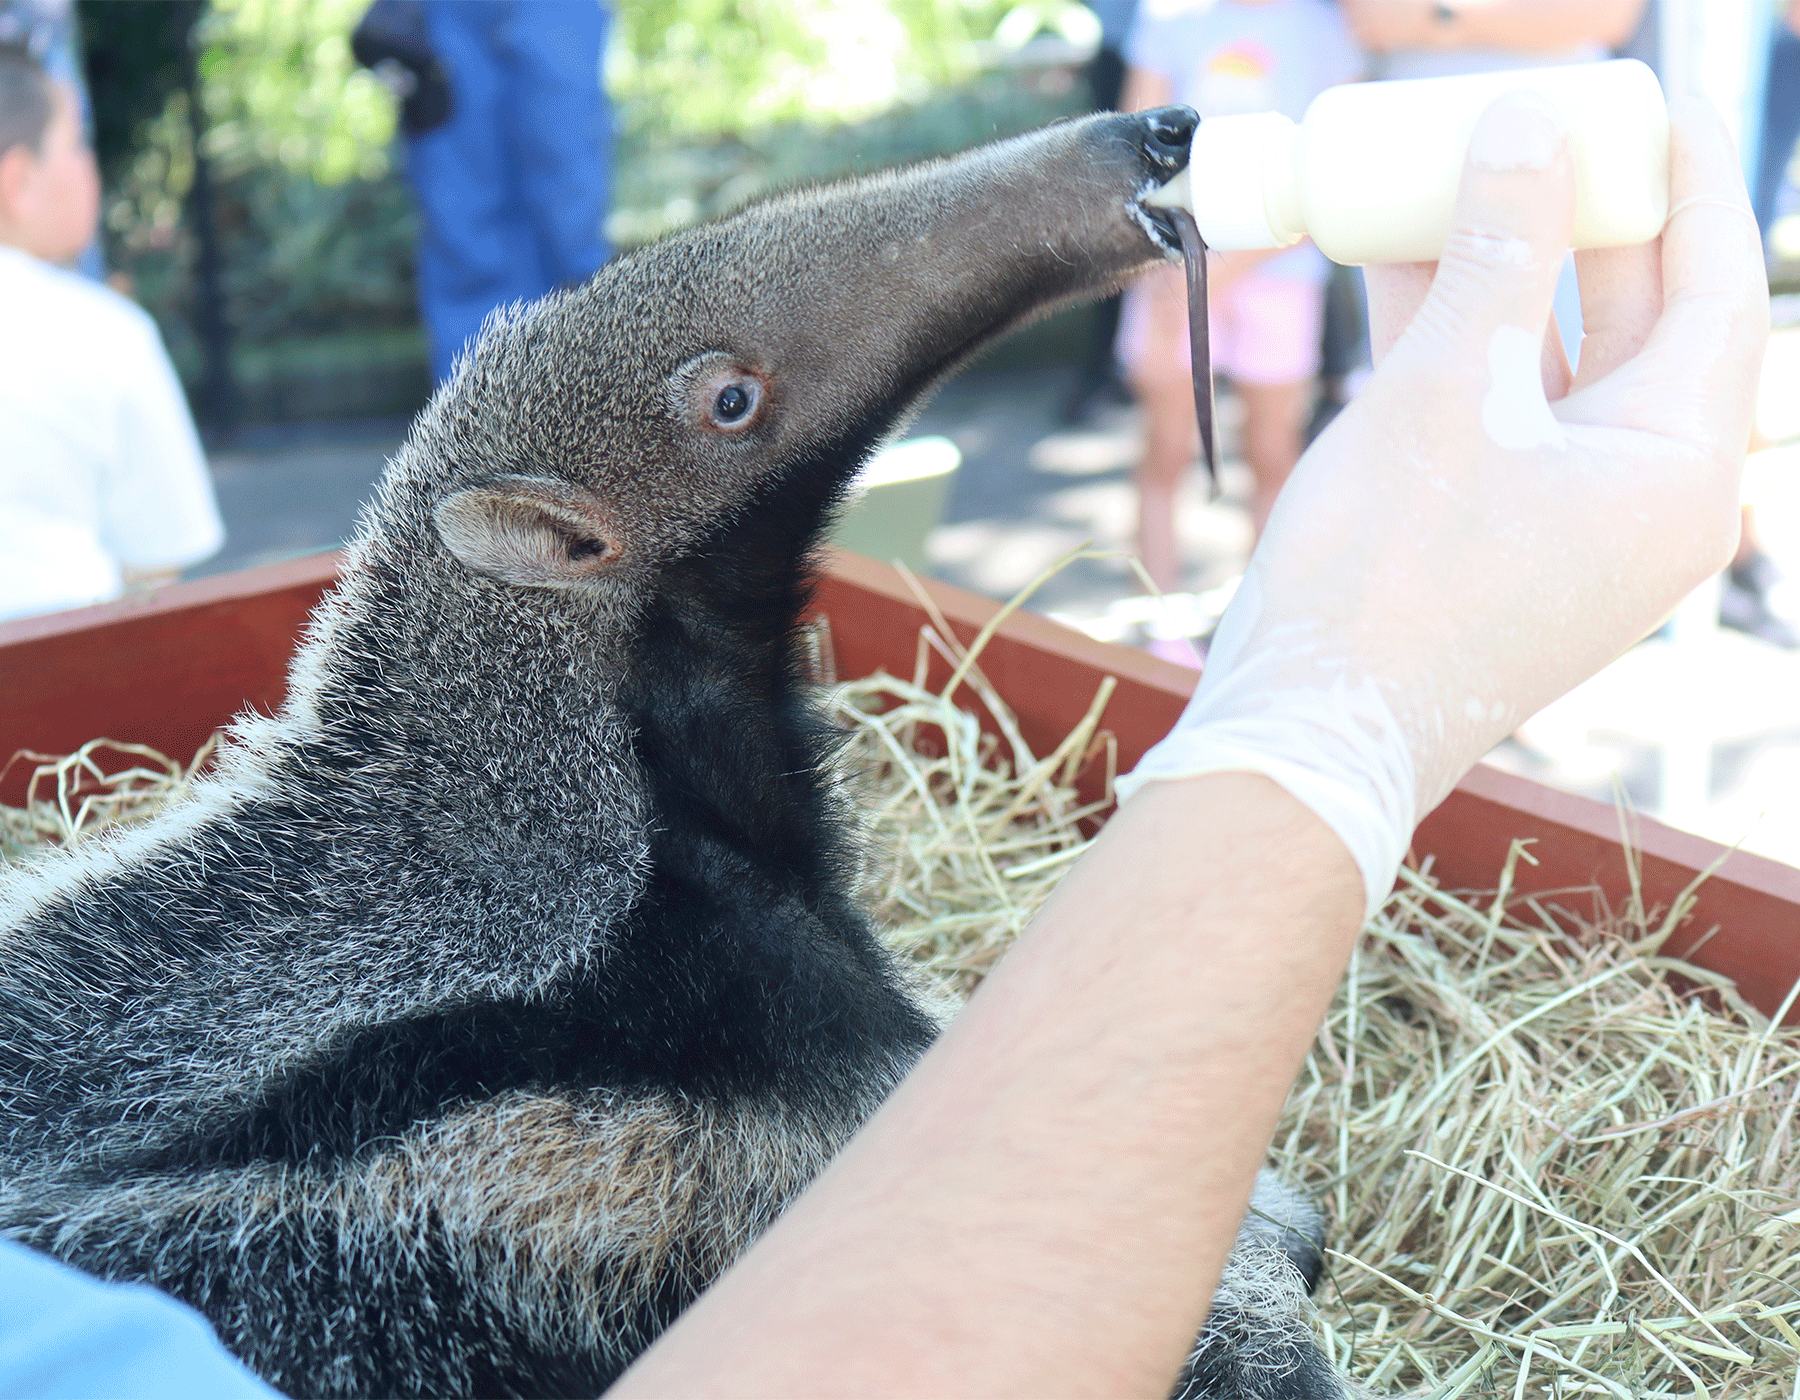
(508, 137)
(103, 482)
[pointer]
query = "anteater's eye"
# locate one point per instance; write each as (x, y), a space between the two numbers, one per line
(734, 403)
(720, 394)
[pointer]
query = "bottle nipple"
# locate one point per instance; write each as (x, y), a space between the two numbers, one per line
(1178, 193)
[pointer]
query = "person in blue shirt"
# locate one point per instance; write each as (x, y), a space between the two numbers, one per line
(66, 1334)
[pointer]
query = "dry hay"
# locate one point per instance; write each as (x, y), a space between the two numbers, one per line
(967, 831)
(73, 797)
(1551, 1172)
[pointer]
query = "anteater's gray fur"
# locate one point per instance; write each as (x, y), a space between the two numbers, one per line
(496, 993)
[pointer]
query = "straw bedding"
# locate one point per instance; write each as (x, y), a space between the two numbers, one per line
(1551, 1171)
(103, 784)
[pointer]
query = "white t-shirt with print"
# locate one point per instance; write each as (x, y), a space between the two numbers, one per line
(100, 467)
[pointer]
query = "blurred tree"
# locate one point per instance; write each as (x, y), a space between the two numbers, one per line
(718, 101)
(141, 60)
(318, 233)
(133, 55)
(703, 67)
(314, 233)
(281, 88)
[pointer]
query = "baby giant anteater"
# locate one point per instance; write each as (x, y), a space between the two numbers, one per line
(495, 994)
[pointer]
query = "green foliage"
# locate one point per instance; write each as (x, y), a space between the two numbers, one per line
(281, 88)
(706, 67)
(315, 230)
(664, 181)
(717, 101)
(722, 101)
(302, 256)
(317, 234)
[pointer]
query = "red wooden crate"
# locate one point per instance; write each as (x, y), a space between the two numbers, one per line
(168, 668)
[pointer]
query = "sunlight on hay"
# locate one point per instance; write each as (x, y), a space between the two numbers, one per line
(1551, 1172)
(967, 832)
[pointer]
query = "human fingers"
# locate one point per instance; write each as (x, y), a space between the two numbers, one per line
(1514, 209)
(1395, 292)
(1708, 344)
(1621, 299)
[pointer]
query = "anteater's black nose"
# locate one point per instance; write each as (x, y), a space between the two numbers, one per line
(1168, 131)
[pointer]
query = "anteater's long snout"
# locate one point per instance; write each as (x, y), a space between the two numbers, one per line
(1167, 135)
(855, 299)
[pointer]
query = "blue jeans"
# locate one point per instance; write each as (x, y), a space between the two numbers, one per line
(1781, 124)
(512, 191)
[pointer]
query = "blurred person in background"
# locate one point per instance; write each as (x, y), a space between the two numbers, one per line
(509, 137)
(1781, 118)
(1266, 306)
(102, 480)
(1429, 39)
(1755, 596)
(48, 31)
(1438, 38)
(1420, 39)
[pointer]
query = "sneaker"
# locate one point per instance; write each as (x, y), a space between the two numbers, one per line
(1751, 600)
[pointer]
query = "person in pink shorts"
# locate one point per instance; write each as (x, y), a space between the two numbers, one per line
(1233, 56)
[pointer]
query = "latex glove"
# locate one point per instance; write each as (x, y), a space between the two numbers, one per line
(1460, 546)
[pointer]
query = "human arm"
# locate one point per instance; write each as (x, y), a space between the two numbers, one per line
(1497, 490)
(1042, 1207)
(1527, 25)
(1069, 1164)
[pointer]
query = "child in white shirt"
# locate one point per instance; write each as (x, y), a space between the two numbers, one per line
(102, 480)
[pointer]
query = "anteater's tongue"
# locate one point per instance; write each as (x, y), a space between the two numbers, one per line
(1199, 333)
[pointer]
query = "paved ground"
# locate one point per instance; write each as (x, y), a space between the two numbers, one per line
(292, 491)
(1704, 730)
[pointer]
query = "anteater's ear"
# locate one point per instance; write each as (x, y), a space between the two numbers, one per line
(529, 530)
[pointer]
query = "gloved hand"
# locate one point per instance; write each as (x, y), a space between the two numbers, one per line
(1474, 534)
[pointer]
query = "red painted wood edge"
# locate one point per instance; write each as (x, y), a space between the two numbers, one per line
(1753, 902)
(1047, 673)
(163, 668)
(167, 668)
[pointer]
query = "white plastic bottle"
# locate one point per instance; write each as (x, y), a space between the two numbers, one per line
(1371, 171)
